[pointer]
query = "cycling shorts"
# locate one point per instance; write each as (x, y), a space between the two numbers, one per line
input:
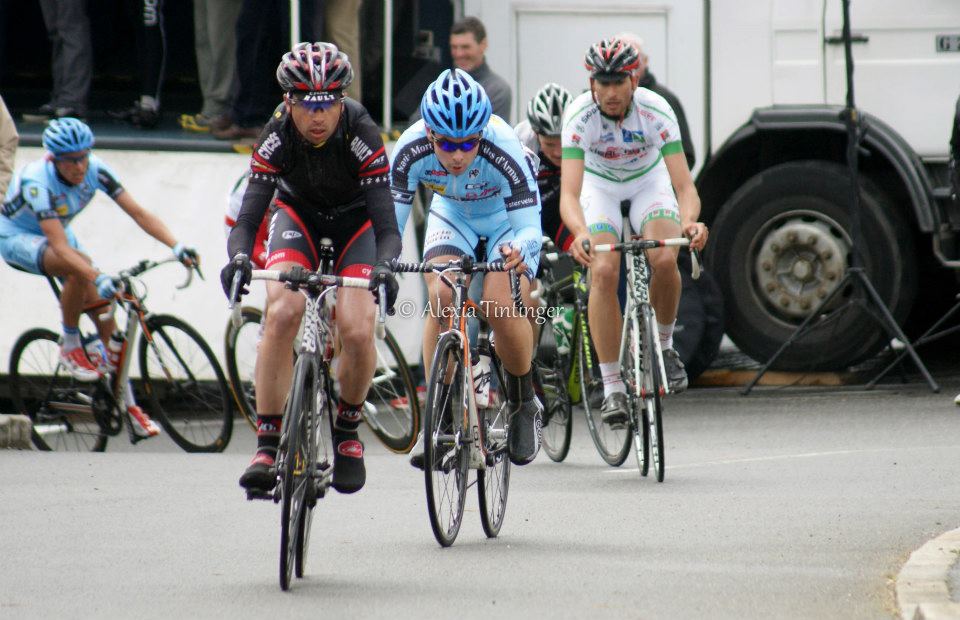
(25, 251)
(292, 240)
(651, 197)
(450, 232)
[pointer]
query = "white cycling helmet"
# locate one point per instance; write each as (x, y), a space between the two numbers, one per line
(545, 110)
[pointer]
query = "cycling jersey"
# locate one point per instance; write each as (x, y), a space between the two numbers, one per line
(548, 182)
(258, 255)
(495, 197)
(320, 183)
(37, 192)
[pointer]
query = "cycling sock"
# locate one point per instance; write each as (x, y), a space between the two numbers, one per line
(349, 473)
(519, 388)
(71, 338)
(666, 334)
(268, 434)
(612, 381)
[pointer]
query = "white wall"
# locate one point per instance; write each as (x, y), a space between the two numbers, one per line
(188, 191)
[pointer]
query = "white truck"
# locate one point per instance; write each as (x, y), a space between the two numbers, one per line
(763, 84)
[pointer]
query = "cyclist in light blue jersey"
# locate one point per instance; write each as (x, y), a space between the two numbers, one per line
(483, 187)
(35, 236)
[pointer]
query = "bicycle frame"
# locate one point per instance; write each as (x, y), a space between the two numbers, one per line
(638, 297)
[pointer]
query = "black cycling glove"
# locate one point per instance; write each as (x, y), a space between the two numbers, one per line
(383, 274)
(241, 264)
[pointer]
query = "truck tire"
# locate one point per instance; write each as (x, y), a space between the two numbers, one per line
(782, 243)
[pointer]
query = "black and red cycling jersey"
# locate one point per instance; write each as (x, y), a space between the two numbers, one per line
(346, 179)
(548, 181)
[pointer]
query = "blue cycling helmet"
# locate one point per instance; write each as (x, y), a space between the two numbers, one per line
(455, 105)
(67, 135)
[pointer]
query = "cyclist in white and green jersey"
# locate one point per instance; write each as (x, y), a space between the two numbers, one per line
(621, 143)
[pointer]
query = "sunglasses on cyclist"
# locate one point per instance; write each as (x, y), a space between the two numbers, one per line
(314, 102)
(72, 159)
(449, 146)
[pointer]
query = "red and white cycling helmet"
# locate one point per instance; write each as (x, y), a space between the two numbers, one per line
(611, 59)
(314, 68)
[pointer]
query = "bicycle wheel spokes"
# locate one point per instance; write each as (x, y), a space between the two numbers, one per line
(445, 455)
(613, 444)
(296, 468)
(320, 459)
(551, 371)
(653, 401)
(493, 483)
(633, 365)
(61, 409)
(187, 389)
(391, 409)
(240, 348)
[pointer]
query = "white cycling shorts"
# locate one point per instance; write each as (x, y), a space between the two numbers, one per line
(651, 197)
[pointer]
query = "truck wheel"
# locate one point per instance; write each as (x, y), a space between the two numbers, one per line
(782, 243)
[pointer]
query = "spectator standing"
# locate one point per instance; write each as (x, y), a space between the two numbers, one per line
(262, 35)
(151, 63)
(648, 81)
(342, 27)
(68, 28)
(9, 139)
(215, 36)
(468, 46)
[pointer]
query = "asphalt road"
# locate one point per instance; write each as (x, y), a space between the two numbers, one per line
(783, 504)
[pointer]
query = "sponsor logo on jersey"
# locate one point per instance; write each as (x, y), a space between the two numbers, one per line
(632, 136)
(474, 173)
(360, 150)
(436, 173)
(269, 146)
(476, 185)
(291, 234)
(590, 113)
(665, 135)
(607, 137)
(575, 138)
(437, 236)
(63, 209)
(436, 187)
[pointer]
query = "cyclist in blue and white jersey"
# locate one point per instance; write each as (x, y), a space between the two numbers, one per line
(483, 187)
(622, 143)
(35, 236)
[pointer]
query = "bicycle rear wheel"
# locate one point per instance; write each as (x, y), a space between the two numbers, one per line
(551, 372)
(493, 483)
(613, 444)
(653, 401)
(61, 408)
(187, 390)
(445, 455)
(391, 409)
(294, 464)
(321, 456)
(240, 355)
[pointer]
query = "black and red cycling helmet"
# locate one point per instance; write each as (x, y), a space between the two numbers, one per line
(314, 68)
(611, 59)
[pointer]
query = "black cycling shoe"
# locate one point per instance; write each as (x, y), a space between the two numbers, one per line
(615, 410)
(676, 373)
(259, 475)
(526, 426)
(349, 473)
(416, 454)
(138, 116)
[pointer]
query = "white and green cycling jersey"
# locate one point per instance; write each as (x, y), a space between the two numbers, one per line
(621, 151)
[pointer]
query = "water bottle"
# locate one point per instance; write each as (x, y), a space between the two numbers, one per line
(562, 328)
(480, 369)
(115, 349)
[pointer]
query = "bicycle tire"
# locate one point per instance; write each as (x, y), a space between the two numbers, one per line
(551, 372)
(240, 373)
(634, 369)
(391, 409)
(613, 445)
(178, 370)
(493, 483)
(321, 443)
(295, 466)
(443, 420)
(653, 404)
(35, 377)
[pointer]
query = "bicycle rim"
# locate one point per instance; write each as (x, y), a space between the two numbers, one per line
(613, 445)
(59, 407)
(445, 455)
(493, 483)
(294, 468)
(634, 370)
(240, 355)
(320, 454)
(391, 409)
(654, 401)
(551, 371)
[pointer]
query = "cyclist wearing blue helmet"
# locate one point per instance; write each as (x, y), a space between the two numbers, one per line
(483, 187)
(35, 237)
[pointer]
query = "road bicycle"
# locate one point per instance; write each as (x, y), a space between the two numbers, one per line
(304, 464)
(185, 387)
(459, 435)
(391, 410)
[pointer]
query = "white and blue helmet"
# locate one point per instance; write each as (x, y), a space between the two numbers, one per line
(455, 105)
(67, 135)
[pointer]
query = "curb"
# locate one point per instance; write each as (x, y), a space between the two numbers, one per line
(15, 432)
(922, 589)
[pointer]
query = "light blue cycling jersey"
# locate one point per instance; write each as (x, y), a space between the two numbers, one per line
(496, 197)
(38, 193)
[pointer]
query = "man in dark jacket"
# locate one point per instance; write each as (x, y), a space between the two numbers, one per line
(468, 44)
(647, 80)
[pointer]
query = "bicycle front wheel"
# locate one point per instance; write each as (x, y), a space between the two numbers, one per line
(60, 408)
(445, 457)
(613, 444)
(240, 355)
(633, 372)
(551, 372)
(493, 482)
(320, 450)
(391, 409)
(187, 390)
(653, 398)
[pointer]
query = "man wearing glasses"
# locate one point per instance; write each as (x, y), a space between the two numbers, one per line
(323, 156)
(35, 237)
(483, 187)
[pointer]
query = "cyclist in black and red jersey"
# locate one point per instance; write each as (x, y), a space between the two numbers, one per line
(324, 157)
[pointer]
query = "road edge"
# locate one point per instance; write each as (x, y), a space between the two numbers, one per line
(923, 592)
